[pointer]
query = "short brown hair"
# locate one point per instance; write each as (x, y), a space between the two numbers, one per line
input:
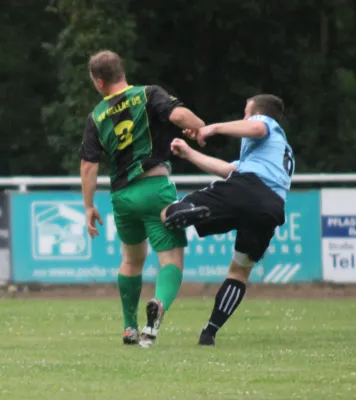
(106, 65)
(269, 105)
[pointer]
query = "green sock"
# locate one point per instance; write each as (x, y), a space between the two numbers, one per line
(168, 284)
(130, 292)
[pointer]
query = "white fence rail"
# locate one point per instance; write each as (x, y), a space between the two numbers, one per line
(22, 183)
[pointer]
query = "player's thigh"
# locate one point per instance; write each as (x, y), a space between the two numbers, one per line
(161, 238)
(239, 199)
(131, 230)
(132, 234)
(133, 244)
(129, 225)
(220, 198)
(251, 244)
(223, 218)
(168, 244)
(216, 226)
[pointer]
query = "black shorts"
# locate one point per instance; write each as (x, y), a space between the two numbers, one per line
(243, 203)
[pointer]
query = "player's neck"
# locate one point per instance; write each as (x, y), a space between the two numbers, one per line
(116, 87)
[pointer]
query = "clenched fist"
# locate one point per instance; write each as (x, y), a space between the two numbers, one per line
(180, 148)
(190, 133)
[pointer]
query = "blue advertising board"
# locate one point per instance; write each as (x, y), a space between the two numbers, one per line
(334, 226)
(50, 244)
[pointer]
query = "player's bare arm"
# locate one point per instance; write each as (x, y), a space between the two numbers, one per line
(169, 108)
(185, 119)
(238, 129)
(90, 151)
(206, 163)
(242, 128)
(89, 174)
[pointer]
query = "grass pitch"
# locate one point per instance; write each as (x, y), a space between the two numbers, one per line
(71, 349)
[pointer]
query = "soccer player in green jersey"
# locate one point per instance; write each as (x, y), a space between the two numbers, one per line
(132, 126)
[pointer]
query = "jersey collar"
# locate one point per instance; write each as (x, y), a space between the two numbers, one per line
(119, 92)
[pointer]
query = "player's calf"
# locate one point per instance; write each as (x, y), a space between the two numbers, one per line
(228, 297)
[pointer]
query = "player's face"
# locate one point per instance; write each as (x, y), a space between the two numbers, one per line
(249, 109)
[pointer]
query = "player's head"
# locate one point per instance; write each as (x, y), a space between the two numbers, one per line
(265, 104)
(106, 69)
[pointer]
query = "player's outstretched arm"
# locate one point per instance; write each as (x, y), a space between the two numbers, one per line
(239, 129)
(242, 128)
(206, 163)
(169, 108)
(185, 119)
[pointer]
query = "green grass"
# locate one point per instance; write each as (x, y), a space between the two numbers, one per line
(270, 350)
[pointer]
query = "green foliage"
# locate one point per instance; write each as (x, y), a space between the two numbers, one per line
(213, 55)
(90, 26)
(27, 82)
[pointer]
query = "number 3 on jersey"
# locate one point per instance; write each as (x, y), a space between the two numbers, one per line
(123, 131)
(288, 161)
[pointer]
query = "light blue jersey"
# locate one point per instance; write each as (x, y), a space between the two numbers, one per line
(270, 158)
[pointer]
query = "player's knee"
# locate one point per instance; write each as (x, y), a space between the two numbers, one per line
(133, 256)
(134, 260)
(131, 268)
(174, 256)
(240, 267)
(242, 260)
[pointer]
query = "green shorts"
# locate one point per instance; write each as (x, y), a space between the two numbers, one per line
(137, 213)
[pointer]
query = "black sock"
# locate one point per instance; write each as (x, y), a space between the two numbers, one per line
(227, 299)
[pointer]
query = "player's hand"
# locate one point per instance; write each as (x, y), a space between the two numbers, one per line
(180, 148)
(204, 133)
(93, 216)
(190, 133)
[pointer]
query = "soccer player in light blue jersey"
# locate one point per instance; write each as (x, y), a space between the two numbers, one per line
(250, 200)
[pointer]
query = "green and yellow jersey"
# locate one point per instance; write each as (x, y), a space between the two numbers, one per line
(130, 127)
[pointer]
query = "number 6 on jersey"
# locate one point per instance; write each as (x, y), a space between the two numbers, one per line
(288, 161)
